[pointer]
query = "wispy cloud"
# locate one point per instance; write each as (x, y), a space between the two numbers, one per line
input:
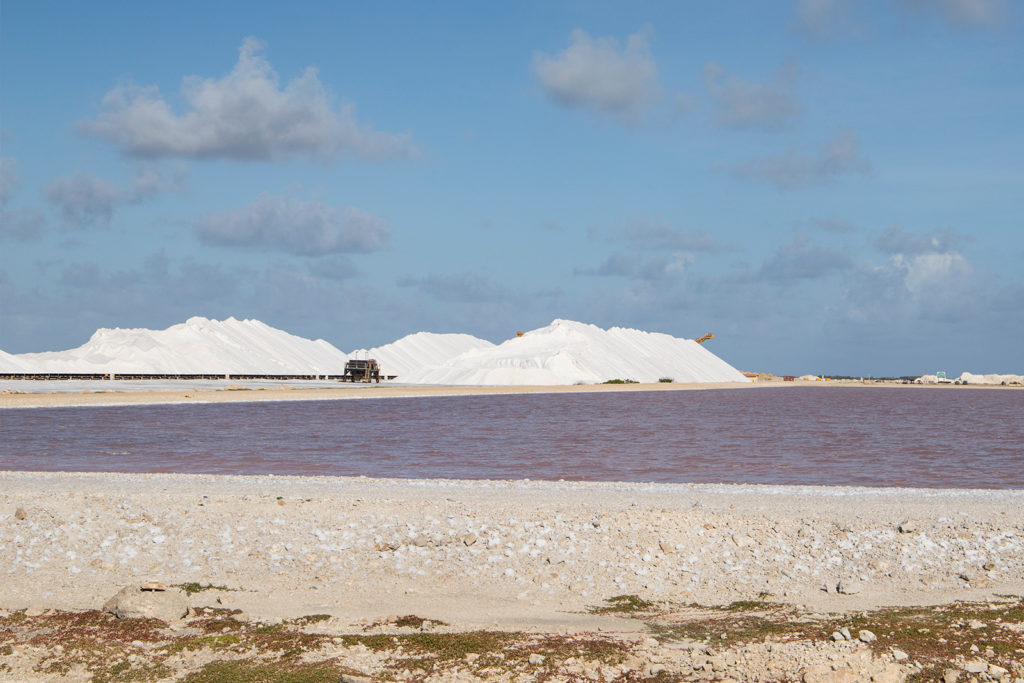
(85, 200)
(896, 240)
(840, 156)
(9, 178)
(770, 105)
(22, 225)
(835, 225)
(459, 287)
(648, 268)
(650, 250)
(335, 268)
(801, 260)
(244, 116)
(827, 18)
(964, 12)
(305, 228)
(597, 73)
(642, 234)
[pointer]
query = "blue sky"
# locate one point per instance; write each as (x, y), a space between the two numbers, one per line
(827, 185)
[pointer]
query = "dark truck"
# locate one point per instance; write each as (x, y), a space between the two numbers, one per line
(361, 371)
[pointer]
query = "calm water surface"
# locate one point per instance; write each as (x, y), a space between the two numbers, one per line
(850, 436)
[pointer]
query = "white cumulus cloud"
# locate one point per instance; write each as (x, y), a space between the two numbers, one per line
(245, 116)
(925, 271)
(598, 73)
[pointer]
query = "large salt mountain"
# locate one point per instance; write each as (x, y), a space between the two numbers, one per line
(198, 345)
(564, 352)
(567, 352)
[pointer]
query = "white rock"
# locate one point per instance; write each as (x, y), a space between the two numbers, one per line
(996, 671)
(132, 602)
(976, 666)
(866, 636)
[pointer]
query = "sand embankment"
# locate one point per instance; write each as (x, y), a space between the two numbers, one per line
(498, 554)
(104, 396)
(26, 394)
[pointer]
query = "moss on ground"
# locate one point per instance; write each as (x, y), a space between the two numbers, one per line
(247, 672)
(191, 587)
(113, 650)
(931, 636)
(623, 604)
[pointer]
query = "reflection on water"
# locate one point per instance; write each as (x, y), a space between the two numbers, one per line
(840, 436)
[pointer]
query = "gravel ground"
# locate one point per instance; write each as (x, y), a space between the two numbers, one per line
(507, 554)
(525, 557)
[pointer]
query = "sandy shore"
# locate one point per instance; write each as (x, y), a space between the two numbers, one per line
(511, 554)
(26, 394)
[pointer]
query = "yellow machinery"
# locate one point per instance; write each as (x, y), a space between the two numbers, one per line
(705, 338)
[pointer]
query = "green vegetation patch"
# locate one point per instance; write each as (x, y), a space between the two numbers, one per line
(123, 671)
(749, 606)
(442, 646)
(90, 629)
(192, 587)
(222, 641)
(936, 634)
(248, 672)
(623, 604)
(405, 621)
(620, 381)
(111, 650)
(309, 619)
(931, 636)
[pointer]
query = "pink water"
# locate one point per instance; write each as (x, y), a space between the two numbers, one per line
(920, 437)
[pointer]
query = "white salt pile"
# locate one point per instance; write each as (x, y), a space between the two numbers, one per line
(564, 352)
(971, 378)
(196, 346)
(11, 363)
(567, 352)
(423, 349)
